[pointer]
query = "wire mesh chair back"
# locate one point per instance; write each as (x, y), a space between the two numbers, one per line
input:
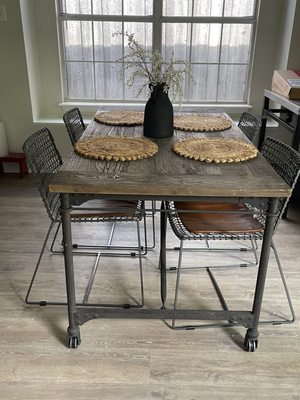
(44, 161)
(74, 124)
(249, 125)
(286, 162)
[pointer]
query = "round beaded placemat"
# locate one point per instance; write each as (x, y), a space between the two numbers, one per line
(201, 123)
(216, 150)
(117, 148)
(117, 117)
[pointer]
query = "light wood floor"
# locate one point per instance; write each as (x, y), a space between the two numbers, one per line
(129, 359)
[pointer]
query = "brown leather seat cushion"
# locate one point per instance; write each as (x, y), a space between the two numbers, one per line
(217, 222)
(112, 208)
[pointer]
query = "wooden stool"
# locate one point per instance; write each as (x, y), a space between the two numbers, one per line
(19, 158)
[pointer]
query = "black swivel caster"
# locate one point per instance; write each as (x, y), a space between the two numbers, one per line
(73, 342)
(250, 345)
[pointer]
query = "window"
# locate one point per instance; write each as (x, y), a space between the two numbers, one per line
(215, 36)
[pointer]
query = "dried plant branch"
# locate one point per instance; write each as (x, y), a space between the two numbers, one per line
(150, 66)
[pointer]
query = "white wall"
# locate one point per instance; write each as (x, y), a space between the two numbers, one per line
(15, 101)
(277, 45)
(287, 54)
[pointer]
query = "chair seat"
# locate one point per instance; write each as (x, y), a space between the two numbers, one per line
(209, 222)
(107, 209)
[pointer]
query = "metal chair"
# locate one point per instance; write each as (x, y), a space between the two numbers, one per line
(75, 127)
(44, 161)
(74, 123)
(249, 125)
(231, 221)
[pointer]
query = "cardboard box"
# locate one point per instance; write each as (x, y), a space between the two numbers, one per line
(287, 83)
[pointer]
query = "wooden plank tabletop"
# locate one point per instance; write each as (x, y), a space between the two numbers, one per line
(166, 174)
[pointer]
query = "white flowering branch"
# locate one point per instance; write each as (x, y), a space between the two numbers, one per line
(150, 66)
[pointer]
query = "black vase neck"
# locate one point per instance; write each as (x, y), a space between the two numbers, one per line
(158, 87)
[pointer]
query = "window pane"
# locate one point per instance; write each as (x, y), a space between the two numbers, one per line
(208, 8)
(108, 83)
(138, 7)
(239, 8)
(132, 92)
(206, 43)
(78, 40)
(107, 47)
(142, 32)
(76, 6)
(197, 8)
(107, 7)
(205, 86)
(232, 83)
(177, 8)
(236, 43)
(204, 47)
(80, 80)
(176, 40)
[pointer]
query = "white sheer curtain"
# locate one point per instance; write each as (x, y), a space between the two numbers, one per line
(211, 36)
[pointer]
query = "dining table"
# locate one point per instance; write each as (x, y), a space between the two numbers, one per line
(166, 176)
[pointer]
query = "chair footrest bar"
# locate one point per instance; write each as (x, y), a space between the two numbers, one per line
(44, 303)
(85, 314)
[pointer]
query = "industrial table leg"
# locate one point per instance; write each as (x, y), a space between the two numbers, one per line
(251, 341)
(73, 329)
(163, 275)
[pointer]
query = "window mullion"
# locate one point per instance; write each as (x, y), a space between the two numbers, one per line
(219, 61)
(94, 55)
(188, 80)
(157, 24)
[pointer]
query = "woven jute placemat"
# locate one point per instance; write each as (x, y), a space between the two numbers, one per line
(201, 123)
(120, 117)
(215, 150)
(116, 148)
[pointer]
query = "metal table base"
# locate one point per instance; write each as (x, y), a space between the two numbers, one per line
(79, 315)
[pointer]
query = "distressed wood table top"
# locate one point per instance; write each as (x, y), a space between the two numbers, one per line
(167, 175)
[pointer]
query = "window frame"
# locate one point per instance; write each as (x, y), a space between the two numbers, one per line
(158, 19)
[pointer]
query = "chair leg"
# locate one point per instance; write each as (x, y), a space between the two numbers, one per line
(287, 293)
(146, 246)
(218, 290)
(109, 245)
(54, 240)
(273, 322)
(27, 301)
(177, 282)
(222, 299)
(81, 249)
(92, 275)
(152, 216)
(140, 264)
(253, 248)
(111, 234)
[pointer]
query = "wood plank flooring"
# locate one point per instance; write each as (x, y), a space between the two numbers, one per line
(130, 359)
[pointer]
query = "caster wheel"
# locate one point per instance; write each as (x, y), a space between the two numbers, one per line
(73, 342)
(250, 345)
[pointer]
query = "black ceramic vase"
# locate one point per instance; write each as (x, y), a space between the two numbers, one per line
(158, 115)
